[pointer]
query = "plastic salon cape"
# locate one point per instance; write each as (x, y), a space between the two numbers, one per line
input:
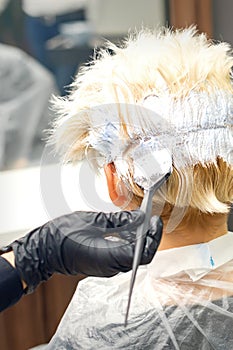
(26, 89)
(182, 300)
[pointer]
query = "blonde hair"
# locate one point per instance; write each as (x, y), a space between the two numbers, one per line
(172, 62)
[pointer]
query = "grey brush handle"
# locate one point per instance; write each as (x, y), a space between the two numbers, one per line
(146, 207)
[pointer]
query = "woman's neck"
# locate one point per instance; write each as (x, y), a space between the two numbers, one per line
(202, 230)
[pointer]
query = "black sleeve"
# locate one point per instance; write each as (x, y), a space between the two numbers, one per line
(11, 288)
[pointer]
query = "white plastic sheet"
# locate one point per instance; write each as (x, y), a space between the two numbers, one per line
(26, 89)
(172, 312)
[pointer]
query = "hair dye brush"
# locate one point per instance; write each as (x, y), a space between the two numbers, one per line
(152, 165)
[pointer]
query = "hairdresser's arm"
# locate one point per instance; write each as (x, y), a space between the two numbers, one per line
(74, 244)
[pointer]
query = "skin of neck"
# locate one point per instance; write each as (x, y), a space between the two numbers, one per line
(196, 227)
(204, 228)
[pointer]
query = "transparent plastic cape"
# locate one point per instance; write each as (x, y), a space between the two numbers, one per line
(166, 313)
(24, 99)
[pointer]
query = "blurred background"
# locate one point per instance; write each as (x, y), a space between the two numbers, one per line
(43, 43)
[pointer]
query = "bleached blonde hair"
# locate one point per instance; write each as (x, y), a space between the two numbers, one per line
(164, 62)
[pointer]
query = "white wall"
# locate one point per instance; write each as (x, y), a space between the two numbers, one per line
(117, 17)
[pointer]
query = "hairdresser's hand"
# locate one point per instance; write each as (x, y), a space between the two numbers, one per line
(76, 243)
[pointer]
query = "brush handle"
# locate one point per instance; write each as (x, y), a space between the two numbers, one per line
(146, 207)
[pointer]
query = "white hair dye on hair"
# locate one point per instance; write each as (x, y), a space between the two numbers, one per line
(180, 76)
(202, 123)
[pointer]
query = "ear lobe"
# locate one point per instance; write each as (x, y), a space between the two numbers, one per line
(116, 187)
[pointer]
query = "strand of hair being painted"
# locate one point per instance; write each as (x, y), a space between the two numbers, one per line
(196, 128)
(202, 122)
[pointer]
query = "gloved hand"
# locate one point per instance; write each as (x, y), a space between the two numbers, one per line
(75, 243)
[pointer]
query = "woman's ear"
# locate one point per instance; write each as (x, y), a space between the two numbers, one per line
(118, 192)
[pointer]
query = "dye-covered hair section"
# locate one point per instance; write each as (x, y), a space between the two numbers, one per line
(175, 86)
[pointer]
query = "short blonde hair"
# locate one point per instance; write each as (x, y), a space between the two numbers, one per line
(179, 62)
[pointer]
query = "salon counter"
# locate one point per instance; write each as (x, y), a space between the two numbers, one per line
(32, 196)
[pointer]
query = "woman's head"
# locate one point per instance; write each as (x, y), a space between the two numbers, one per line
(173, 86)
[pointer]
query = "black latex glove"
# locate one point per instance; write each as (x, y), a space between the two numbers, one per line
(75, 243)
